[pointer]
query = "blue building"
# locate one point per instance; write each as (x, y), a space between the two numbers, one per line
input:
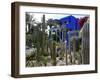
(69, 23)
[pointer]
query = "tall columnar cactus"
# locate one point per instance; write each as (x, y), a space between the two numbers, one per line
(74, 50)
(43, 34)
(54, 54)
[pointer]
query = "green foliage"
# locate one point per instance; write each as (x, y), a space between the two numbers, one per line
(29, 40)
(30, 57)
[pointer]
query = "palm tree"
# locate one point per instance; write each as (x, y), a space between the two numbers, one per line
(29, 22)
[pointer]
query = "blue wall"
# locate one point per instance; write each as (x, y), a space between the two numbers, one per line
(71, 23)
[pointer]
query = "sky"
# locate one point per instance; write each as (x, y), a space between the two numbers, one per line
(38, 16)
